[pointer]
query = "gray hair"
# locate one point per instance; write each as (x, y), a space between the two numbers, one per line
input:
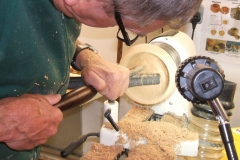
(175, 13)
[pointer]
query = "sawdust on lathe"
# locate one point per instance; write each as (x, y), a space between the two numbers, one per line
(150, 152)
(138, 114)
(162, 137)
(156, 133)
(102, 152)
(135, 114)
(173, 119)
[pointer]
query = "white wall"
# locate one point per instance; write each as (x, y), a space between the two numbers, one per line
(103, 39)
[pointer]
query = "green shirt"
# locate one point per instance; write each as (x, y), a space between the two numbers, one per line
(37, 43)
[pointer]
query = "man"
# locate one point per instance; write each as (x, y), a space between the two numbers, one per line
(37, 46)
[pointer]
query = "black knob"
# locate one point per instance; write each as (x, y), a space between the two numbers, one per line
(199, 79)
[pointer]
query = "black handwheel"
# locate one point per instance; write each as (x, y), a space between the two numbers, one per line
(199, 79)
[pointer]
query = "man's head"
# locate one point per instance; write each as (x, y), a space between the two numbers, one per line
(139, 16)
(144, 12)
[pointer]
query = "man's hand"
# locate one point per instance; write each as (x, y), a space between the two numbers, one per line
(29, 120)
(109, 79)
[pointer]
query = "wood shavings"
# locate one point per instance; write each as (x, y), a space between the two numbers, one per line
(162, 137)
(101, 152)
(173, 119)
(138, 114)
(46, 77)
(165, 133)
(107, 125)
(150, 152)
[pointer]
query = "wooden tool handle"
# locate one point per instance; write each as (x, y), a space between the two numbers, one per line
(76, 97)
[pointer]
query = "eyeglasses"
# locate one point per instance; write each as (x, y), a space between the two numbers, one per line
(126, 36)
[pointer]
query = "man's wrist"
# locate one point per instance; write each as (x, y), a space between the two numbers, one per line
(80, 48)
